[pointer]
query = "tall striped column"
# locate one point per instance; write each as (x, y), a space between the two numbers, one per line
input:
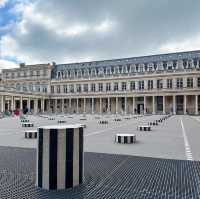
(59, 157)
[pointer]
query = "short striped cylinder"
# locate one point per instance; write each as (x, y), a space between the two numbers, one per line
(30, 134)
(59, 157)
(144, 128)
(153, 123)
(24, 120)
(103, 122)
(125, 138)
(51, 118)
(117, 120)
(61, 121)
(27, 124)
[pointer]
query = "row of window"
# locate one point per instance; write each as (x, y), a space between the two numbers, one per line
(31, 88)
(30, 73)
(71, 88)
(128, 69)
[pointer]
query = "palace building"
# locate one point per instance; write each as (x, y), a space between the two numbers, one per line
(156, 84)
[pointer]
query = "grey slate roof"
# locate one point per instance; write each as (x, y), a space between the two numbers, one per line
(132, 60)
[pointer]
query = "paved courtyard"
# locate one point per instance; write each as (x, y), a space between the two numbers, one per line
(156, 166)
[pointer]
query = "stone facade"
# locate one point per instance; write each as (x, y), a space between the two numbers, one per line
(157, 84)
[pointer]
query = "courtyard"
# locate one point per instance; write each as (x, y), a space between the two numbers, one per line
(163, 163)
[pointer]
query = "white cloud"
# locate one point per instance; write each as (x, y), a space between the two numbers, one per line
(5, 64)
(74, 31)
(187, 44)
(3, 3)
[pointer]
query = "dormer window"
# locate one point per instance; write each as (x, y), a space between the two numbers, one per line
(165, 65)
(150, 67)
(155, 65)
(174, 64)
(195, 63)
(169, 65)
(184, 64)
(116, 70)
(100, 71)
(190, 63)
(146, 67)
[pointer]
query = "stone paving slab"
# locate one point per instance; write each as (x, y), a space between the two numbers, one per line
(106, 176)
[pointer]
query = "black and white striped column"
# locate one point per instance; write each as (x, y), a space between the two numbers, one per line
(59, 157)
(125, 138)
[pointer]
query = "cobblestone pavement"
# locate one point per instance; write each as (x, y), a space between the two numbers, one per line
(106, 176)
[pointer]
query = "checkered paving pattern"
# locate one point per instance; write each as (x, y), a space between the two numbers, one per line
(106, 176)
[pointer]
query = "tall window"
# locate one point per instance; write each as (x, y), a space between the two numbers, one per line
(141, 85)
(108, 87)
(132, 85)
(116, 86)
(78, 88)
(58, 89)
(65, 88)
(123, 86)
(179, 82)
(71, 88)
(93, 88)
(189, 82)
(100, 87)
(150, 84)
(38, 73)
(159, 84)
(52, 89)
(198, 82)
(169, 83)
(85, 87)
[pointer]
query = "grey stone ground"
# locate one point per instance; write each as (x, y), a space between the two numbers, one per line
(107, 176)
(154, 167)
(164, 141)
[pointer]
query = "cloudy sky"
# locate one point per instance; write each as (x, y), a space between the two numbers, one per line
(39, 31)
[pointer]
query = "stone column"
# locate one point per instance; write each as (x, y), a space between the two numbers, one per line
(100, 106)
(145, 107)
(92, 105)
(116, 105)
(2, 104)
(174, 104)
(153, 105)
(12, 103)
(35, 106)
(56, 105)
(77, 108)
(42, 105)
(84, 105)
(133, 105)
(70, 105)
(63, 105)
(59, 157)
(29, 104)
(48, 105)
(125, 107)
(196, 105)
(108, 111)
(21, 103)
(164, 112)
(185, 105)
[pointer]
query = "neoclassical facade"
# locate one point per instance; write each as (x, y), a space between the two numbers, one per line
(156, 84)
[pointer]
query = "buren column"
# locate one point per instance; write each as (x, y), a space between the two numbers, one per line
(59, 157)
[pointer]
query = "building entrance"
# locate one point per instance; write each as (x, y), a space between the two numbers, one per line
(140, 108)
(159, 103)
(179, 104)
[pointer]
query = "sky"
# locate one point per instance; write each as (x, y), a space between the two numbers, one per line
(65, 31)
